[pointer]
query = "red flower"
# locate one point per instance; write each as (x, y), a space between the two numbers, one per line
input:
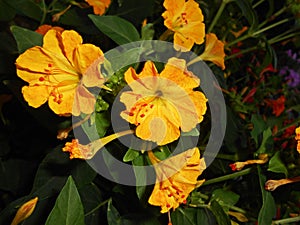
(277, 105)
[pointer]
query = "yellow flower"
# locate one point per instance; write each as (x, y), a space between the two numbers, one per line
(79, 151)
(176, 178)
(59, 73)
(99, 6)
(25, 211)
(298, 138)
(214, 50)
(160, 105)
(185, 19)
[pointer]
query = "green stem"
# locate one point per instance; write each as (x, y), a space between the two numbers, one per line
(97, 207)
(223, 156)
(227, 177)
(241, 52)
(248, 35)
(282, 38)
(219, 13)
(271, 26)
(257, 4)
(278, 13)
(287, 126)
(286, 221)
(45, 11)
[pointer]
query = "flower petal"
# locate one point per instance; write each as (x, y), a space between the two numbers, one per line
(35, 95)
(175, 70)
(70, 41)
(214, 51)
(84, 101)
(85, 55)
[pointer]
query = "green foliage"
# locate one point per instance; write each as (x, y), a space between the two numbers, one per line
(119, 30)
(68, 208)
(26, 38)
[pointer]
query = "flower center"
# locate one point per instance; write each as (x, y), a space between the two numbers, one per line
(180, 21)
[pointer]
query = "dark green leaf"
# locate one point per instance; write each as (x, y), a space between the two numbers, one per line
(221, 217)
(7, 13)
(68, 208)
(26, 38)
(276, 165)
(32, 9)
(268, 209)
(259, 126)
(267, 134)
(113, 216)
(225, 198)
(192, 216)
(249, 13)
(119, 30)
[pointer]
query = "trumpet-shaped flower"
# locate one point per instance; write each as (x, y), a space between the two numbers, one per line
(176, 178)
(59, 72)
(185, 19)
(99, 6)
(214, 50)
(162, 105)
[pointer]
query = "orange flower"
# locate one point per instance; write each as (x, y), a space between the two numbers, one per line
(277, 105)
(214, 50)
(79, 151)
(185, 19)
(59, 73)
(99, 6)
(43, 29)
(162, 104)
(25, 211)
(176, 178)
(298, 138)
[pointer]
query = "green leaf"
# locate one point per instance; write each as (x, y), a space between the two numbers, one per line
(7, 13)
(119, 30)
(267, 134)
(30, 8)
(249, 13)
(130, 155)
(192, 216)
(259, 126)
(221, 217)
(113, 216)
(147, 32)
(268, 209)
(225, 198)
(26, 38)
(276, 165)
(68, 208)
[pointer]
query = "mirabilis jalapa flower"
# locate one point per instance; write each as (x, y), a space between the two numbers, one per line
(185, 19)
(176, 178)
(161, 105)
(99, 6)
(65, 67)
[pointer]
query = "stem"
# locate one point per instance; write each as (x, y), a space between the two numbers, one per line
(45, 11)
(270, 27)
(219, 13)
(287, 126)
(282, 10)
(241, 52)
(286, 221)
(227, 177)
(257, 4)
(97, 207)
(281, 38)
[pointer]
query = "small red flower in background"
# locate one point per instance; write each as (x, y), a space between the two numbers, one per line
(277, 105)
